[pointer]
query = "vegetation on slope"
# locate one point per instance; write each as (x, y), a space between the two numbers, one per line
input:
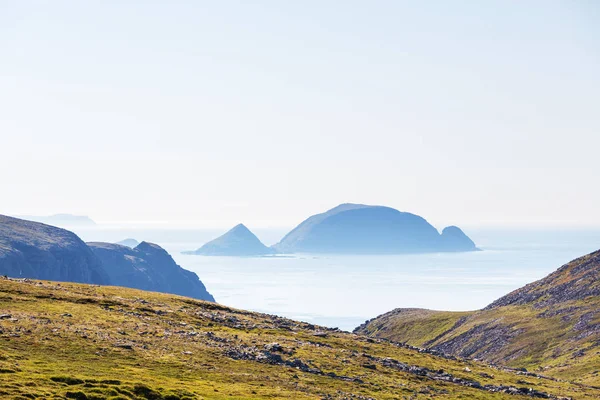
(552, 326)
(64, 340)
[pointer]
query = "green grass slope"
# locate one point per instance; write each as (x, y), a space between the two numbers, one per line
(551, 326)
(76, 341)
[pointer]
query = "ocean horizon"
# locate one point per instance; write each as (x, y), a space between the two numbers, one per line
(345, 290)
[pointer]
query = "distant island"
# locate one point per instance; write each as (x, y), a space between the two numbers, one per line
(347, 229)
(61, 220)
(238, 241)
(129, 242)
(364, 229)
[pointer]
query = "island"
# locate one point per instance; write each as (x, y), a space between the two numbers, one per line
(364, 229)
(129, 242)
(62, 220)
(238, 241)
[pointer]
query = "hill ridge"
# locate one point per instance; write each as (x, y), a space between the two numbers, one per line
(552, 324)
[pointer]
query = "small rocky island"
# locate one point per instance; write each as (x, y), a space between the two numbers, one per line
(238, 241)
(363, 229)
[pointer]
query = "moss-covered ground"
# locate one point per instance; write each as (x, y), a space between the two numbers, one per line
(72, 341)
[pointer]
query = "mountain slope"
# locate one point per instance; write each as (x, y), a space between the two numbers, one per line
(148, 267)
(238, 241)
(96, 342)
(34, 250)
(552, 325)
(358, 228)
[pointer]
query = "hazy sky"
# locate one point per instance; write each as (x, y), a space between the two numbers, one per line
(264, 112)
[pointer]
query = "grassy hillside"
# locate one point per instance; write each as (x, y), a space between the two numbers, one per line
(551, 326)
(63, 340)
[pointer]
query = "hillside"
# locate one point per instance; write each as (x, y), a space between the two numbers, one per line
(551, 325)
(238, 241)
(64, 340)
(148, 267)
(34, 250)
(362, 229)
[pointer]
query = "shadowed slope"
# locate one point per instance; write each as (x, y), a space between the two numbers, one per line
(148, 267)
(34, 250)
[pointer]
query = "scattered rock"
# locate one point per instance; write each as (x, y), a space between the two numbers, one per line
(273, 347)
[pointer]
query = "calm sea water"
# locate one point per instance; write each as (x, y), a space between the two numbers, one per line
(344, 291)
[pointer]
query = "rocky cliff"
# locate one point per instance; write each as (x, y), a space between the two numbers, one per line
(148, 267)
(34, 250)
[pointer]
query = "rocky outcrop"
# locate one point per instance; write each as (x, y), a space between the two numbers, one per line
(362, 229)
(34, 250)
(238, 241)
(148, 267)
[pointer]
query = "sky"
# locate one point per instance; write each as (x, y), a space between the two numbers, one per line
(210, 113)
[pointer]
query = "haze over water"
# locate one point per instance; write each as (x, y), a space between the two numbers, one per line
(343, 291)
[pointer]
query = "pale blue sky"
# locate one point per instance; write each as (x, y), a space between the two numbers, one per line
(211, 113)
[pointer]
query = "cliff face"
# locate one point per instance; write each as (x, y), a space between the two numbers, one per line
(357, 228)
(238, 241)
(34, 250)
(148, 267)
(551, 324)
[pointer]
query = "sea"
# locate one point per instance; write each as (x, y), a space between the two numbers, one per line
(343, 291)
